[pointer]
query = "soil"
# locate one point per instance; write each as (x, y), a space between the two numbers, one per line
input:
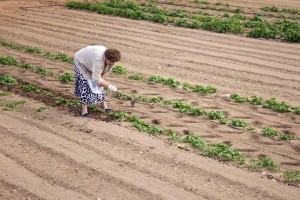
(56, 154)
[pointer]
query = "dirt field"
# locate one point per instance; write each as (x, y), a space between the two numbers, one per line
(55, 154)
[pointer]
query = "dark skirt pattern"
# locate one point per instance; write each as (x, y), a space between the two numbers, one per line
(82, 90)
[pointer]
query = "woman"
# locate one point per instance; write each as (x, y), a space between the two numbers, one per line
(91, 65)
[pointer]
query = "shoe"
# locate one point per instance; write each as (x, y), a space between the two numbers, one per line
(86, 115)
(107, 110)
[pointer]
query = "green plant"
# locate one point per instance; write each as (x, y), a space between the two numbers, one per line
(224, 153)
(239, 123)
(217, 115)
(297, 110)
(187, 86)
(42, 70)
(267, 131)
(6, 79)
(135, 76)
(119, 70)
(238, 98)
(265, 162)
(286, 137)
(67, 102)
(13, 105)
(67, 77)
(156, 79)
(8, 60)
(173, 135)
(3, 93)
(292, 175)
(173, 83)
(41, 108)
(195, 141)
(154, 100)
(29, 88)
(167, 102)
(204, 90)
(277, 106)
(254, 100)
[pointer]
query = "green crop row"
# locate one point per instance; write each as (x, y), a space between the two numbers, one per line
(171, 82)
(48, 54)
(11, 61)
(285, 10)
(285, 30)
(212, 115)
(270, 103)
(220, 151)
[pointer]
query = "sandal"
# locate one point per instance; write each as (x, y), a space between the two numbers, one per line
(107, 110)
(86, 115)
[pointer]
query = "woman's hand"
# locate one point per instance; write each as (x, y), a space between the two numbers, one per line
(112, 88)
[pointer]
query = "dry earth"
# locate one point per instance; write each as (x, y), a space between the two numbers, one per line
(54, 154)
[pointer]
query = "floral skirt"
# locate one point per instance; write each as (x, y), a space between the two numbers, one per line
(82, 90)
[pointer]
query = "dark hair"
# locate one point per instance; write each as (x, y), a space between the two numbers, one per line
(112, 55)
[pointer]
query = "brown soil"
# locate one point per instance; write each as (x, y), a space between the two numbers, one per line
(54, 154)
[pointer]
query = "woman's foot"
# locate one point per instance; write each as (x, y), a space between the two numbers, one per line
(86, 115)
(108, 110)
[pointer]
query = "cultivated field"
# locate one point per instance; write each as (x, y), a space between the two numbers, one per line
(181, 139)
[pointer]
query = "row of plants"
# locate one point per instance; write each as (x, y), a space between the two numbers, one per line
(285, 30)
(27, 49)
(212, 115)
(225, 10)
(171, 82)
(284, 10)
(11, 61)
(271, 103)
(216, 150)
(8, 60)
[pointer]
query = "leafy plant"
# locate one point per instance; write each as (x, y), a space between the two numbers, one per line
(217, 115)
(254, 100)
(3, 93)
(195, 141)
(135, 76)
(119, 70)
(187, 86)
(267, 131)
(297, 110)
(286, 137)
(41, 108)
(223, 152)
(204, 90)
(8, 60)
(167, 102)
(173, 135)
(13, 105)
(265, 162)
(279, 107)
(239, 123)
(67, 77)
(29, 88)
(292, 175)
(238, 98)
(6, 79)
(67, 102)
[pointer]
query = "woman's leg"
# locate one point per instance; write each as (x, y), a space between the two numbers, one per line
(84, 109)
(104, 105)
